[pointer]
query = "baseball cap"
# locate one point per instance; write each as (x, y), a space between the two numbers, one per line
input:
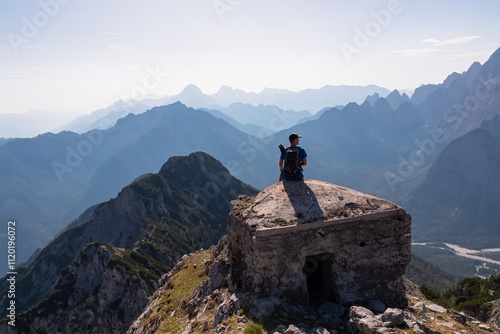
(293, 136)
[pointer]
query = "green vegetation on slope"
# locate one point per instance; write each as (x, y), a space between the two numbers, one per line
(141, 266)
(426, 274)
(467, 295)
(470, 293)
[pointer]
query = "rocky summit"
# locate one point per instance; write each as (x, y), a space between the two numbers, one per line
(311, 242)
(307, 251)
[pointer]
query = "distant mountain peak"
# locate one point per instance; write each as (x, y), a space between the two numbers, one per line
(395, 99)
(191, 90)
(268, 90)
(177, 104)
(372, 98)
(201, 160)
(394, 93)
(491, 67)
(495, 56)
(228, 90)
(474, 66)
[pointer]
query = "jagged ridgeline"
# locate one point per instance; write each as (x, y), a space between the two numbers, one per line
(102, 270)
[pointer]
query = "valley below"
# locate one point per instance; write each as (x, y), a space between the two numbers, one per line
(460, 261)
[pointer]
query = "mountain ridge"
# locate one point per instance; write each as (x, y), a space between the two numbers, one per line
(180, 197)
(465, 178)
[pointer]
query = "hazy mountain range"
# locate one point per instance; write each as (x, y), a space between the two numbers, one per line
(30, 123)
(312, 100)
(389, 147)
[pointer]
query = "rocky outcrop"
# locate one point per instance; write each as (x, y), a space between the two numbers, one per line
(494, 314)
(362, 320)
(490, 313)
(97, 293)
(306, 241)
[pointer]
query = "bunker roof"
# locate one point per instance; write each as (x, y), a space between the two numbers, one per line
(292, 203)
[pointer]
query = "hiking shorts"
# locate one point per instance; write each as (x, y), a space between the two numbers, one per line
(288, 177)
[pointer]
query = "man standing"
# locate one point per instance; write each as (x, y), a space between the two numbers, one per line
(292, 160)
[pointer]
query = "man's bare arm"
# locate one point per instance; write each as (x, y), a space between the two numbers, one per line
(281, 165)
(304, 162)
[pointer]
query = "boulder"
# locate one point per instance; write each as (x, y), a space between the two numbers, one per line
(264, 307)
(360, 312)
(392, 317)
(375, 305)
(436, 308)
(333, 309)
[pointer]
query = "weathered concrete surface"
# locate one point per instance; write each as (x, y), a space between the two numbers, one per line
(291, 203)
(302, 241)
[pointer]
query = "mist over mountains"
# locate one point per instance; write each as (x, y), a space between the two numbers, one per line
(392, 147)
(311, 100)
(233, 100)
(30, 124)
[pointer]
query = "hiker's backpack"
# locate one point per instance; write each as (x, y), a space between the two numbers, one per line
(292, 160)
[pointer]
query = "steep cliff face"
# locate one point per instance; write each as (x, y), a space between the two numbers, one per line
(98, 293)
(457, 201)
(155, 220)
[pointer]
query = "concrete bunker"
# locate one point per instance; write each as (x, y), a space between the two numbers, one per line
(312, 241)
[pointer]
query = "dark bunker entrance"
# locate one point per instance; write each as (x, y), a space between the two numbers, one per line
(318, 272)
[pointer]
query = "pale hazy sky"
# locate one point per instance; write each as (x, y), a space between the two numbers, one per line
(78, 56)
